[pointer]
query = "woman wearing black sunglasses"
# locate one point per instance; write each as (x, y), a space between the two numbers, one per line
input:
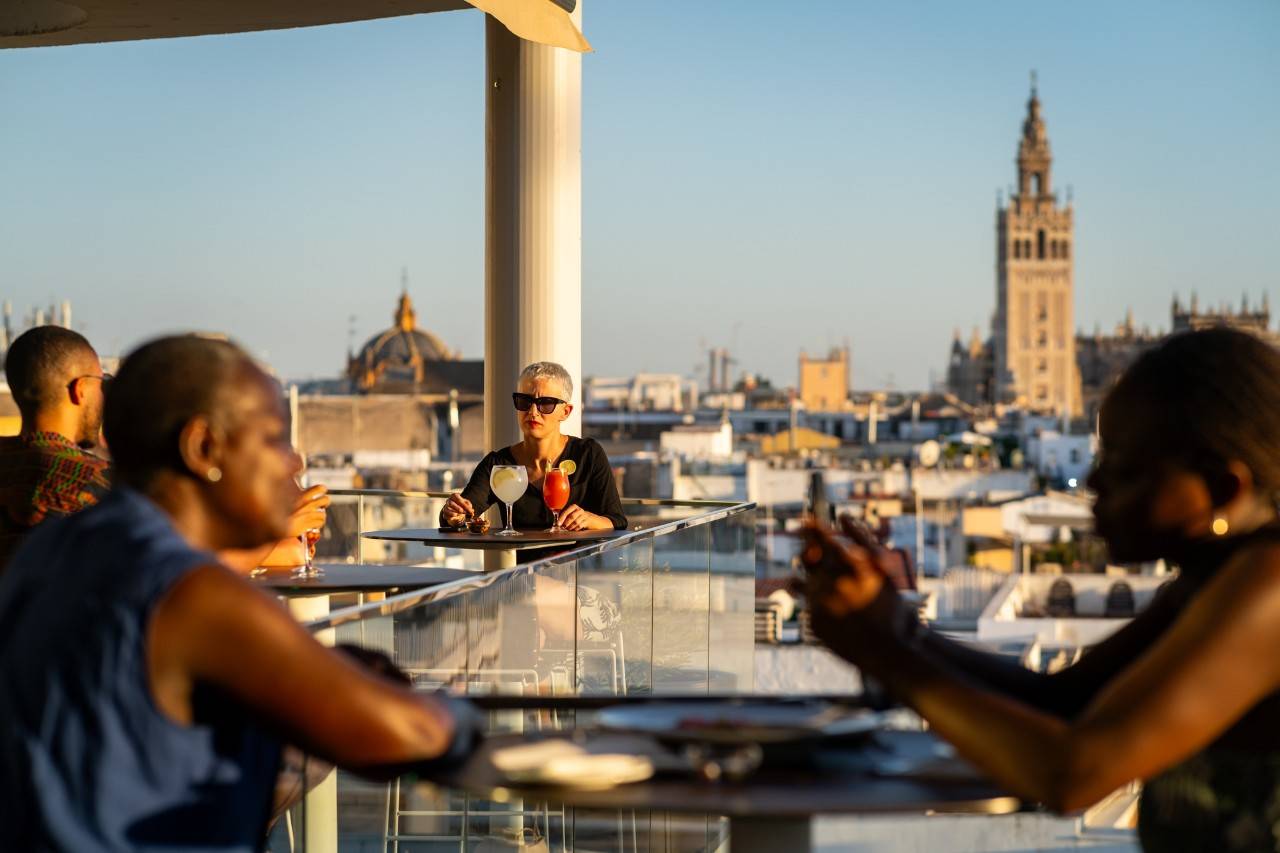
(542, 404)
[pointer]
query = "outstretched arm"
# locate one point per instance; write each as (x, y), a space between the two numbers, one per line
(1195, 681)
(214, 627)
(1065, 693)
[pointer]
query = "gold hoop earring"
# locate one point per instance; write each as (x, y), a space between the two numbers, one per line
(1220, 526)
(214, 474)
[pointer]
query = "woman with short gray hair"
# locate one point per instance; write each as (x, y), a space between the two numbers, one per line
(543, 402)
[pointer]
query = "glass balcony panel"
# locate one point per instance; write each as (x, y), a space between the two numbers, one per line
(680, 611)
(731, 604)
(614, 628)
(661, 611)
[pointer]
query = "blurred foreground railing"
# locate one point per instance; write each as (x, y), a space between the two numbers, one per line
(963, 593)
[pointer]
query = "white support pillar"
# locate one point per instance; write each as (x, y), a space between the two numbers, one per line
(533, 219)
(320, 806)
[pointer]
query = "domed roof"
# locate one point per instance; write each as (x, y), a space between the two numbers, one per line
(398, 356)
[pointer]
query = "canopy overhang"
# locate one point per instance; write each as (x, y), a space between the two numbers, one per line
(48, 23)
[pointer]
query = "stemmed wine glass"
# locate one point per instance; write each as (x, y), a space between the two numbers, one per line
(309, 538)
(509, 483)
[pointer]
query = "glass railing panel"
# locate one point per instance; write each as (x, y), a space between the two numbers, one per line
(614, 621)
(670, 611)
(731, 604)
(351, 515)
(522, 633)
(680, 610)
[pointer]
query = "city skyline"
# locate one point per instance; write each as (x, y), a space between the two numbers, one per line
(737, 175)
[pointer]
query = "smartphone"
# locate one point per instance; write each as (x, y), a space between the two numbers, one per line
(819, 508)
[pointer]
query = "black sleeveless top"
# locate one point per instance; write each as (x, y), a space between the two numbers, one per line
(1226, 797)
(87, 760)
(591, 487)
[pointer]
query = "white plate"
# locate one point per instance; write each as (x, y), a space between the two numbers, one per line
(565, 764)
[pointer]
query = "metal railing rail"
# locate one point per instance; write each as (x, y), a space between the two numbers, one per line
(712, 511)
(403, 493)
(412, 494)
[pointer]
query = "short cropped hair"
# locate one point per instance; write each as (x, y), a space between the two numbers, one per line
(161, 386)
(40, 363)
(548, 370)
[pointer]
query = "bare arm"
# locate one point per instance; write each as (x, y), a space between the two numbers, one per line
(286, 552)
(1195, 681)
(602, 489)
(1067, 692)
(213, 627)
(476, 496)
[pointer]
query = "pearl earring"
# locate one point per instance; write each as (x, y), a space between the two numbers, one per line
(214, 474)
(1220, 526)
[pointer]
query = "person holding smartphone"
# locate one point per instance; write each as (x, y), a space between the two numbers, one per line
(1186, 696)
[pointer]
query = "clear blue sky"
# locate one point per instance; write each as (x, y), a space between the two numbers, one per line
(765, 175)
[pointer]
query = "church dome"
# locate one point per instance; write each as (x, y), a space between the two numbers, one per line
(399, 356)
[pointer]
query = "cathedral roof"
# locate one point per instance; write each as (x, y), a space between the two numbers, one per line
(401, 356)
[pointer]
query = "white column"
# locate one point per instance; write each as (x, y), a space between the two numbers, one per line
(321, 803)
(533, 219)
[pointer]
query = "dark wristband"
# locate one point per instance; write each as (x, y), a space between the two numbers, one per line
(902, 620)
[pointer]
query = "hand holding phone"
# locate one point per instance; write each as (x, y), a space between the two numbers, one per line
(819, 508)
(845, 576)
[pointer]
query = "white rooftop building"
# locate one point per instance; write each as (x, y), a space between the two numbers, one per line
(1065, 459)
(644, 392)
(699, 441)
(1077, 610)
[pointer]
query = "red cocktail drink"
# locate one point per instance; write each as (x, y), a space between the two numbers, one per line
(555, 491)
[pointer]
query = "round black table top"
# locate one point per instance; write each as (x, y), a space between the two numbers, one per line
(893, 772)
(346, 577)
(447, 538)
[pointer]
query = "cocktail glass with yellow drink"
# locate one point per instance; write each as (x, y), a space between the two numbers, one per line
(509, 483)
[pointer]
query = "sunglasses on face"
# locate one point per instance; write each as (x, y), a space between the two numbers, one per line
(546, 405)
(104, 377)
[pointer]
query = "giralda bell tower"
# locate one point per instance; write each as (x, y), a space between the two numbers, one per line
(1035, 353)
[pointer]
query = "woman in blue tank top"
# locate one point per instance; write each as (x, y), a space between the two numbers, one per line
(1186, 697)
(145, 690)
